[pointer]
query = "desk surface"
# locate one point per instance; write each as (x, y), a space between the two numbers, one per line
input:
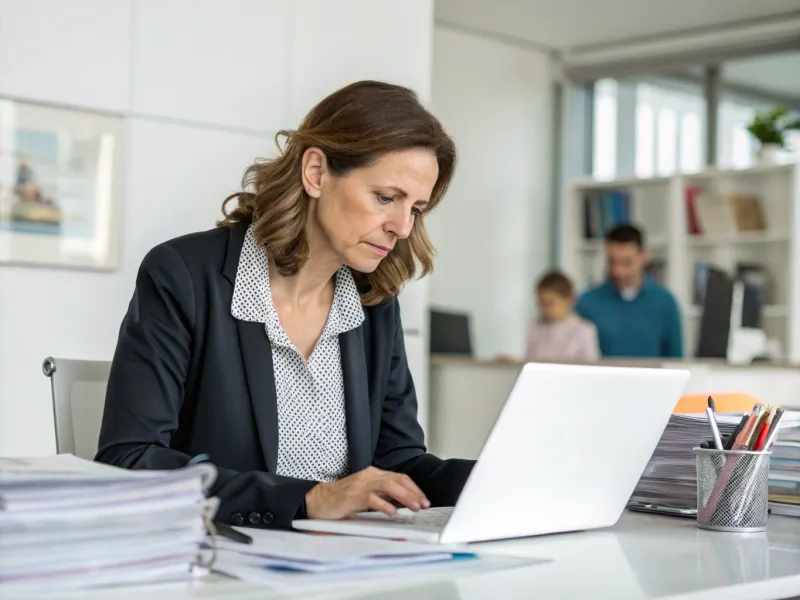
(641, 557)
(439, 360)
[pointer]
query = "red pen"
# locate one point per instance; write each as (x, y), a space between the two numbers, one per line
(762, 437)
(765, 428)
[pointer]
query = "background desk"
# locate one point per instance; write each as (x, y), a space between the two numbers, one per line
(466, 395)
(642, 557)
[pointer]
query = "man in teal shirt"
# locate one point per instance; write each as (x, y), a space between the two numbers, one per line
(635, 316)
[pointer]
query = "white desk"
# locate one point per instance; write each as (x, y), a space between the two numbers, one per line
(641, 557)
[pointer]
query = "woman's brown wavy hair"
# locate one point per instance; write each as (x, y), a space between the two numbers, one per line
(353, 127)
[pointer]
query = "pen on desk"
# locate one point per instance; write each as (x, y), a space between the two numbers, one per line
(746, 436)
(774, 425)
(232, 534)
(732, 437)
(711, 404)
(712, 422)
(765, 427)
(763, 415)
(773, 431)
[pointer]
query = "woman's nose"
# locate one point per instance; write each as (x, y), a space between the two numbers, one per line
(401, 223)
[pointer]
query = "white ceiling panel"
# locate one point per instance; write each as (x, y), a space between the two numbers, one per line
(775, 73)
(570, 24)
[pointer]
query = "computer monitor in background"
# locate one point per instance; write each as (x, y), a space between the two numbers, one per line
(449, 333)
(718, 308)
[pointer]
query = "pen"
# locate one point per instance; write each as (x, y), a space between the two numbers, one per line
(773, 428)
(232, 534)
(762, 418)
(765, 427)
(773, 433)
(711, 404)
(732, 437)
(712, 422)
(743, 441)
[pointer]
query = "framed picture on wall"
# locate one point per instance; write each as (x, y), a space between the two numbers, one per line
(61, 186)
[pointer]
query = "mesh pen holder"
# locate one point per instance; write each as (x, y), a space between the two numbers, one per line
(732, 488)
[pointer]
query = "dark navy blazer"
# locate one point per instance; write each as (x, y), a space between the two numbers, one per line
(189, 379)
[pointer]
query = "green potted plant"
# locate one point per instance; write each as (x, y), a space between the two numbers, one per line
(769, 129)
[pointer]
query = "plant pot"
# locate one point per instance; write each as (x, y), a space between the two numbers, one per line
(768, 154)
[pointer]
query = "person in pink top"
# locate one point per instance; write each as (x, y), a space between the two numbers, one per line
(558, 334)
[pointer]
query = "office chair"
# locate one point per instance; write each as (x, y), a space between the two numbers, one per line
(79, 390)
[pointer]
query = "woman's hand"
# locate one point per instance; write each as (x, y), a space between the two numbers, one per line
(368, 489)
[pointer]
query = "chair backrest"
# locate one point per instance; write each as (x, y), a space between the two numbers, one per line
(79, 390)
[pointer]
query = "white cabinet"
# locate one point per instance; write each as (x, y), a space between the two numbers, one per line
(70, 52)
(212, 61)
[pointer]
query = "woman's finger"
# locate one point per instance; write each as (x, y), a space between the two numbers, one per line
(408, 483)
(375, 502)
(396, 491)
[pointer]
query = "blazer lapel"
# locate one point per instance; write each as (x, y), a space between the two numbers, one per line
(356, 398)
(257, 359)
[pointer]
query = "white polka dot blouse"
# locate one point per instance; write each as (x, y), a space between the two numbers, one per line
(312, 433)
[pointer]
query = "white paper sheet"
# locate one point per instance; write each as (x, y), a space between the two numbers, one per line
(308, 582)
(323, 548)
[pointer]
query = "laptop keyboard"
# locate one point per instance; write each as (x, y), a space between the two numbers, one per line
(432, 518)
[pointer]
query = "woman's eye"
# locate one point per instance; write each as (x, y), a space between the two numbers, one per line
(384, 199)
(416, 211)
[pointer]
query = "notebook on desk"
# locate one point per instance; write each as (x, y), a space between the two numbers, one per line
(565, 454)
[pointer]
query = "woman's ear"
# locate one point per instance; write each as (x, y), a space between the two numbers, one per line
(314, 167)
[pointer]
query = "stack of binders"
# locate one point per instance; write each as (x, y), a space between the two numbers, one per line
(67, 523)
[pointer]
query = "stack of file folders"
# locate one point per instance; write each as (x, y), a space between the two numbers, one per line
(784, 472)
(71, 523)
(670, 478)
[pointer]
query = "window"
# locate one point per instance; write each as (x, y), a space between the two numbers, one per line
(690, 145)
(605, 129)
(735, 146)
(667, 141)
(667, 135)
(645, 140)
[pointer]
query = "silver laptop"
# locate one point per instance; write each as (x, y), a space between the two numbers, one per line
(565, 454)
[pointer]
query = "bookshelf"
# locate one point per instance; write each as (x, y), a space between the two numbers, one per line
(744, 221)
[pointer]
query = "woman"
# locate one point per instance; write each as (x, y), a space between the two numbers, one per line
(272, 345)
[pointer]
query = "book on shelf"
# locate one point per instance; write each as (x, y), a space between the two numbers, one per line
(692, 220)
(603, 209)
(748, 214)
(722, 214)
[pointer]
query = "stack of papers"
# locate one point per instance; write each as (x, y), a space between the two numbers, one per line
(670, 478)
(291, 560)
(784, 472)
(71, 523)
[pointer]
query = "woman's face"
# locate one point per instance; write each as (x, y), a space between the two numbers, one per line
(361, 215)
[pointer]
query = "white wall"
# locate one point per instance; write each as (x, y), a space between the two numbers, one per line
(203, 85)
(493, 231)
